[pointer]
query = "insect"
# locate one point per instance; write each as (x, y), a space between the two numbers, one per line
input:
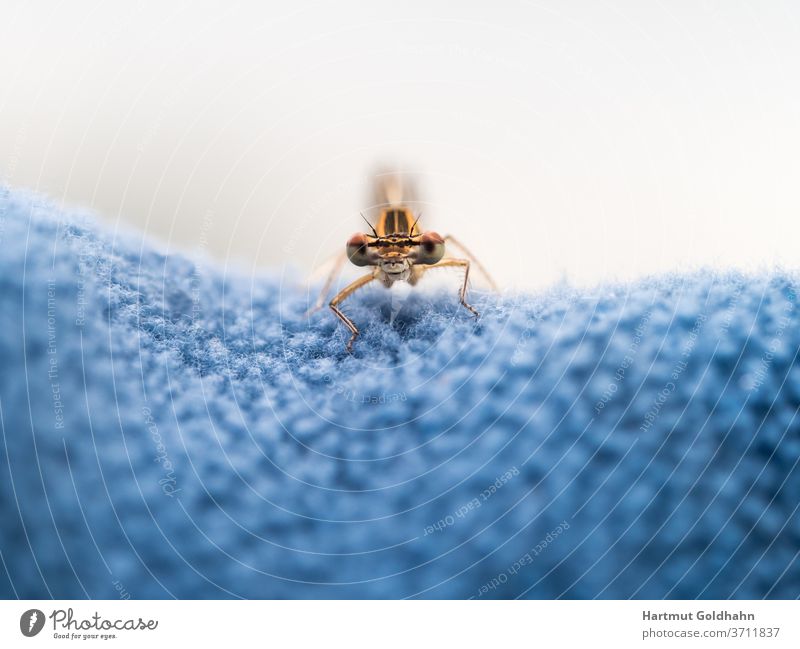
(397, 250)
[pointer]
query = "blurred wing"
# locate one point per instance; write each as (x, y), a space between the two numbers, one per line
(332, 264)
(393, 188)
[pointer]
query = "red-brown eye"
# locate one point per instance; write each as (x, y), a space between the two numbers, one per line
(357, 250)
(431, 248)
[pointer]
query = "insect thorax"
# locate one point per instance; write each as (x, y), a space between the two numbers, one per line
(396, 220)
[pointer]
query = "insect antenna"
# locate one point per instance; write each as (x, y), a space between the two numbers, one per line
(369, 224)
(411, 232)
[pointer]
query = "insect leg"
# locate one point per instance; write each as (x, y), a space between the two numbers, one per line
(332, 275)
(343, 295)
(455, 242)
(462, 294)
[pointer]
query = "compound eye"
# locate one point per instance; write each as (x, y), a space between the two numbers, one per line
(431, 248)
(357, 251)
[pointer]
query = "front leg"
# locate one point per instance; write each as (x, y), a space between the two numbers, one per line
(449, 238)
(462, 294)
(343, 295)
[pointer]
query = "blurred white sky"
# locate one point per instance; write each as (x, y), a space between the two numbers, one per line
(585, 139)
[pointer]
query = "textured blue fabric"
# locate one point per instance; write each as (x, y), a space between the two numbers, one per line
(173, 430)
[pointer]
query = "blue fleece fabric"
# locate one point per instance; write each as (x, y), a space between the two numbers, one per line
(170, 429)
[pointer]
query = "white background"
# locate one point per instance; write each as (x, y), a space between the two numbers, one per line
(589, 140)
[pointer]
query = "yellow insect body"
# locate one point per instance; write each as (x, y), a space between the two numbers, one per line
(397, 250)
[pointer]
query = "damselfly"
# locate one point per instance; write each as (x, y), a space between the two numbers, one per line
(398, 250)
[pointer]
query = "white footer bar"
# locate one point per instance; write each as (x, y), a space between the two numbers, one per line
(402, 624)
